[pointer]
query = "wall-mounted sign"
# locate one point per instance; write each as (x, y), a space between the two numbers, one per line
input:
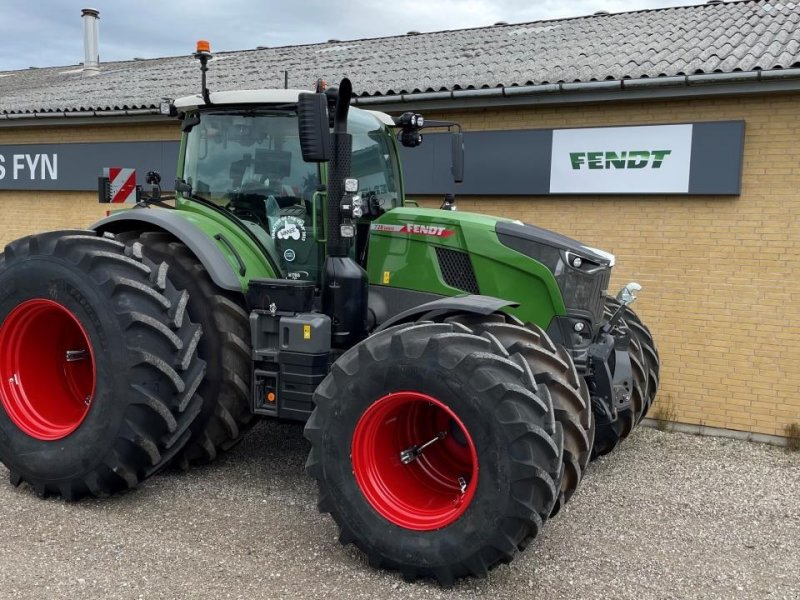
(698, 158)
(621, 160)
(693, 158)
(77, 166)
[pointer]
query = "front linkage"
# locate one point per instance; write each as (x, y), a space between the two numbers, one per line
(613, 365)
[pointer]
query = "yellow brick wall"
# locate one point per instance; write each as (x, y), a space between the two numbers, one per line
(25, 212)
(721, 274)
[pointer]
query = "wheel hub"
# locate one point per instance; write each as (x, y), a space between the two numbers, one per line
(47, 369)
(414, 461)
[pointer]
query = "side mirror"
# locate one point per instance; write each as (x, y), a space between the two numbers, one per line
(190, 121)
(313, 127)
(457, 141)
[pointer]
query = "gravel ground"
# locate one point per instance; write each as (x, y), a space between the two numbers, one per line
(665, 516)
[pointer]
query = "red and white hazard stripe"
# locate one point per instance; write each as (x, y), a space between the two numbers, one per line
(123, 184)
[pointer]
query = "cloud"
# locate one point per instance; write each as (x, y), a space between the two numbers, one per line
(51, 33)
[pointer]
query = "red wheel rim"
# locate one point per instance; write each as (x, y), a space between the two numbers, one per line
(434, 489)
(47, 369)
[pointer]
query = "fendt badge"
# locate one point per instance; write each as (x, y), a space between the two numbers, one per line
(415, 229)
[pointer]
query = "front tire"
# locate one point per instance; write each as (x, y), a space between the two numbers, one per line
(553, 368)
(486, 483)
(98, 364)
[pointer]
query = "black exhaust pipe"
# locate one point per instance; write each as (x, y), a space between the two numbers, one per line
(345, 285)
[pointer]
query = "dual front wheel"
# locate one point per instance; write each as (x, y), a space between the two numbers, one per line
(498, 425)
(484, 485)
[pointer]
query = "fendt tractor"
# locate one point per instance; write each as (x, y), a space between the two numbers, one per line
(456, 372)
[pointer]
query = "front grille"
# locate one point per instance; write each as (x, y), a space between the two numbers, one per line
(457, 271)
(585, 291)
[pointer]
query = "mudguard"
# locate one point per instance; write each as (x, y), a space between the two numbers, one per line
(472, 303)
(219, 268)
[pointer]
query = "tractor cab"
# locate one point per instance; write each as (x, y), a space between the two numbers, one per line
(243, 154)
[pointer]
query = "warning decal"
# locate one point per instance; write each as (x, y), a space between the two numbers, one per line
(123, 184)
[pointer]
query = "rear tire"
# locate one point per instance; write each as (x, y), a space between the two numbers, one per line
(485, 396)
(553, 368)
(104, 324)
(226, 414)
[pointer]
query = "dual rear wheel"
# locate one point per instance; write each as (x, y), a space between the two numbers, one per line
(98, 364)
(118, 356)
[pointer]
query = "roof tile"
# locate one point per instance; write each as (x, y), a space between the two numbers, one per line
(726, 37)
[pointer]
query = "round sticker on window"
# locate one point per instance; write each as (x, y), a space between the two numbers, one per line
(290, 229)
(289, 255)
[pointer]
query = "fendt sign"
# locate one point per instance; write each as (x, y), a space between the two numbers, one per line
(693, 158)
(653, 159)
(688, 158)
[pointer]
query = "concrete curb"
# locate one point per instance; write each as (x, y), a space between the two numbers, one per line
(703, 430)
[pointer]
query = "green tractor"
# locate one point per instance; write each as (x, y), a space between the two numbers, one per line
(456, 372)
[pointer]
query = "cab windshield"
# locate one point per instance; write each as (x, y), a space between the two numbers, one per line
(249, 162)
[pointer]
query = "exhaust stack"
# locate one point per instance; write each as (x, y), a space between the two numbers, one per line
(91, 41)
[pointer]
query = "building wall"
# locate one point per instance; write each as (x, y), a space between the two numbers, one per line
(26, 212)
(721, 275)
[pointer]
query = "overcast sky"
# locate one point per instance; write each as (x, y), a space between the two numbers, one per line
(49, 32)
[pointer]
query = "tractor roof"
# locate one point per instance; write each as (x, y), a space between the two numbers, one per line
(242, 97)
(274, 96)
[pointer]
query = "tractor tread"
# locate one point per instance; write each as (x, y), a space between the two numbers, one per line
(225, 346)
(553, 369)
(483, 366)
(140, 294)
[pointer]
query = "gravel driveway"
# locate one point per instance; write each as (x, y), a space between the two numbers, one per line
(667, 515)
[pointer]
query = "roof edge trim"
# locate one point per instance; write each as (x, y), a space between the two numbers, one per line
(566, 89)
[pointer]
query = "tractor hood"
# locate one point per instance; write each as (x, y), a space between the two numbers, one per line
(545, 245)
(582, 272)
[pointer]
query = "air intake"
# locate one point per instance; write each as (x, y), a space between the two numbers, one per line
(457, 271)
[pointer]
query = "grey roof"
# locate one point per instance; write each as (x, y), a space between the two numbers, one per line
(710, 38)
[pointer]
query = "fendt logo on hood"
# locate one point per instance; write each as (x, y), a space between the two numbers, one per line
(415, 229)
(627, 159)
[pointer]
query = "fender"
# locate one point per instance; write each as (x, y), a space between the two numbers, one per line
(219, 266)
(472, 303)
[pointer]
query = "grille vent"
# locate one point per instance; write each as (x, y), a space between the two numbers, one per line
(456, 268)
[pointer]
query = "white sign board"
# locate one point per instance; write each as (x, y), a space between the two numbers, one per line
(649, 159)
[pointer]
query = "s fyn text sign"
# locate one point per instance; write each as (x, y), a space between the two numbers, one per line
(77, 166)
